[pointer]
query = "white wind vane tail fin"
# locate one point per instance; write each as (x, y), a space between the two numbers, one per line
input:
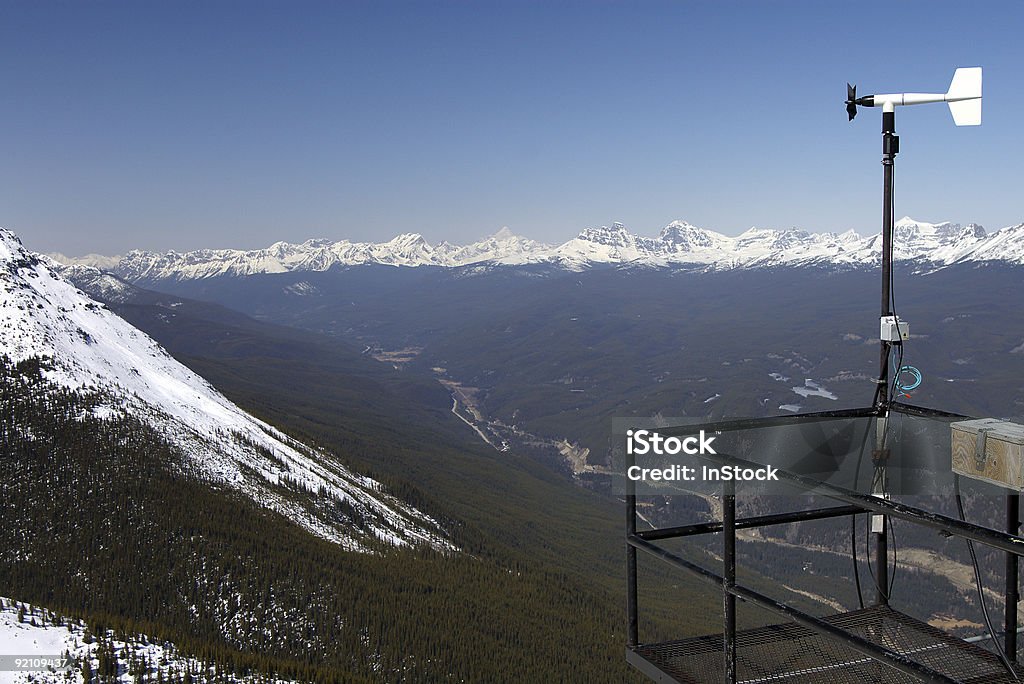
(964, 96)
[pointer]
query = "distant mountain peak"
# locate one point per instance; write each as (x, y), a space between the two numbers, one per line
(408, 240)
(615, 233)
(683, 236)
(680, 228)
(973, 230)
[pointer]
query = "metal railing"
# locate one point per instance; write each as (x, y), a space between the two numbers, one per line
(853, 503)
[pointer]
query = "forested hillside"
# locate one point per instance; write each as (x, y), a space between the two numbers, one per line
(103, 520)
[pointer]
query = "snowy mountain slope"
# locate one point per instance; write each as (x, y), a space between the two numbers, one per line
(679, 245)
(100, 285)
(38, 636)
(88, 347)
(1004, 245)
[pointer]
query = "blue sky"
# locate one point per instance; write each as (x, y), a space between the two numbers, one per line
(181, 125)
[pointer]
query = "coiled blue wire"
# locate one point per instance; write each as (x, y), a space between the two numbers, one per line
(916, 374)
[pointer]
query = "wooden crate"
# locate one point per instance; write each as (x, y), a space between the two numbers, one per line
(990, 450)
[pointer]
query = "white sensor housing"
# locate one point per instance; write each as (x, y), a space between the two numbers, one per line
(894, 330)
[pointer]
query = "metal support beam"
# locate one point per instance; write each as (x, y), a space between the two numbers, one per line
(632, 622)
(729, 585)
(751, 522)
(1012, 587)
(771, 421)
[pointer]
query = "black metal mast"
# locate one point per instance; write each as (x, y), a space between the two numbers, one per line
(879, 526)
(890, 147)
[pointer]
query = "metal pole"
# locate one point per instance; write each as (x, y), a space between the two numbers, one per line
(882, 563)
(729, 584)
(890, 147)
(1012, 591)
(632, 625)
(879, 523)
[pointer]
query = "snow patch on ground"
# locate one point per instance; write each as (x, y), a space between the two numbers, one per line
(302, 288)
(54, 636)
(812, 389)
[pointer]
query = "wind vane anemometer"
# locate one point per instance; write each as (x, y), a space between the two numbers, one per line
(963, 97)
(964, 100)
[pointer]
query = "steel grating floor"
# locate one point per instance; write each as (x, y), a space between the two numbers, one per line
(793, 654)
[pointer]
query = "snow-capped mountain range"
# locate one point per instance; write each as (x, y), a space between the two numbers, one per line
(678, 245)
(87, 347)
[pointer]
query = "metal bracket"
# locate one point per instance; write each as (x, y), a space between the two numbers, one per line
(979, 449)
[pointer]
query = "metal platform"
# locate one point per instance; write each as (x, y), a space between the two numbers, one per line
(873, 645)
(793, 654)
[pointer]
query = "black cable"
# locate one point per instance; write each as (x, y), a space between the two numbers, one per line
(899, 365)
(878, 480)
(867, 549)
(892, 530)
(896, 371)
(979, 585)
(853, 520)
(853, 552)
(878, 484)
(895, 555)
